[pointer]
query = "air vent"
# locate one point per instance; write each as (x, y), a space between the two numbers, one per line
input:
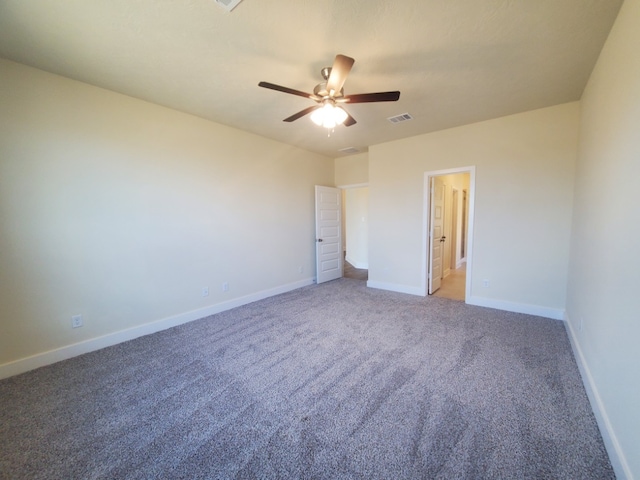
(403, 117)
(228, 5)
(349, 150)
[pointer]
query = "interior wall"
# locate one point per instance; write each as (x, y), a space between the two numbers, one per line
(352, 170)
(122, 211)
(357, 226)
(604, 276)
(523, 200)
(343, 223)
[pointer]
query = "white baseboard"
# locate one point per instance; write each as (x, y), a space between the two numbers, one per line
(393, 287)
(356, 264)
(616, 455)
(547, 312)
(52, 356)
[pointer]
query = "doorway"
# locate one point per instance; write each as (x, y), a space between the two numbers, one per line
(355, 215)
(447, 232)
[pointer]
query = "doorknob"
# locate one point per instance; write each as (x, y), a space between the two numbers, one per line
(319, 240)
(443, 238)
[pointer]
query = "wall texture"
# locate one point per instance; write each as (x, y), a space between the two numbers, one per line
(602, 307)
(122, 211)
(357, 226)
(523, 200)
(352, 170)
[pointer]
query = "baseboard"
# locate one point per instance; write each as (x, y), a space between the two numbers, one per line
(356, 264)
(52, 356)
(393, 287)
(547, 312)
(616, 455)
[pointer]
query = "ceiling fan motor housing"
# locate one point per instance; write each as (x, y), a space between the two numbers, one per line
(322, 92)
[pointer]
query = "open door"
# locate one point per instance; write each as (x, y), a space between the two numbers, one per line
(328, 234)
(436, 236)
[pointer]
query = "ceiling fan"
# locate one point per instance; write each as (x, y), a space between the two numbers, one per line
(329, 96)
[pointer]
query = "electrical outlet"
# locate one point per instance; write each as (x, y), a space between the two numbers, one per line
(301, 269)
(225, 287)
(76, 321)
(486, 283)
(205, 291)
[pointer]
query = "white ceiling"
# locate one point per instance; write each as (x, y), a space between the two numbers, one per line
(454, 61)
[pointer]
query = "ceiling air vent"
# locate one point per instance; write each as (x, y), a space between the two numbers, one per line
(228, 5)
(403, 117)
(349, 150)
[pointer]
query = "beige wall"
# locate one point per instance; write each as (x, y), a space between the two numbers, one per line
(523, 200)
(122, 211)
(357, 226)
(352, 170)
(602, 306)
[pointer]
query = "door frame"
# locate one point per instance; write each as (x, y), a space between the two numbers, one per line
(426, 218)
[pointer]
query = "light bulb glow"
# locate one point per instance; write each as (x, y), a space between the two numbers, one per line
(317, 116)
(329, 116)
(339, 115)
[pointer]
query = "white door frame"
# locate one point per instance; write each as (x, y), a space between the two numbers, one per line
(424, 286)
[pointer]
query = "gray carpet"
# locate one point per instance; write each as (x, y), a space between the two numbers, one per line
(330, 381)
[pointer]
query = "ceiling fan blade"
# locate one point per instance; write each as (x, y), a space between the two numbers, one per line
(302, 113)
(373, 97)
(341, 68)
(280, 88)
(349, 121)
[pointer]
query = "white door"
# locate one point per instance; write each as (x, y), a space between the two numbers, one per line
(436, 237)
(328, 234)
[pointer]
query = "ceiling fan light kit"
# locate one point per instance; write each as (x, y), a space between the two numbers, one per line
(329, 116)
(326, 94)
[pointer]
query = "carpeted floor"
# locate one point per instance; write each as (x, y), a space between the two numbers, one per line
(333, 381)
